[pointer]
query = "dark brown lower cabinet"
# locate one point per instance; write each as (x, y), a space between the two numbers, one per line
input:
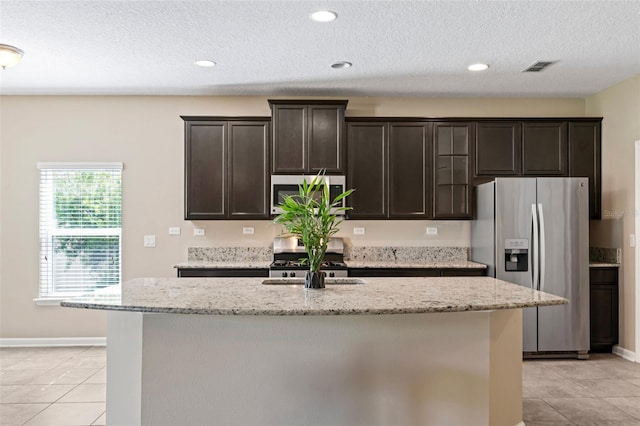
(416, 272)
(222, 272)
(603, 308)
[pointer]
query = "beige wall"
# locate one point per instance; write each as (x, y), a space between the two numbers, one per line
(146, 133)
(620, 108)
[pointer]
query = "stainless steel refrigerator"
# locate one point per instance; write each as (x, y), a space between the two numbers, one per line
(534, 232)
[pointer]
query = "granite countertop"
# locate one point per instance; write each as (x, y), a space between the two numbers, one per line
(213, 264)
(594, 264)
(458, 264)
(248, 296)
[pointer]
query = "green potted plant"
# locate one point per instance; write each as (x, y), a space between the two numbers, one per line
(312, 217)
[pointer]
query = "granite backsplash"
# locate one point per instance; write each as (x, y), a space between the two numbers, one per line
(405, 254)
(605, 255)
(229, 254)
(370, 254)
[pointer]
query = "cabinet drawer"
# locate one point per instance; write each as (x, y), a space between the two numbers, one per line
(603, 275)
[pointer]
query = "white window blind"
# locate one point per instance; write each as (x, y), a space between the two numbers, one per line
(80, 227)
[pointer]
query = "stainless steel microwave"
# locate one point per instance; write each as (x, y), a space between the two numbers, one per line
(283, 185)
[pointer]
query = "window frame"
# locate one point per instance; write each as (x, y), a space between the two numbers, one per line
(47, 231)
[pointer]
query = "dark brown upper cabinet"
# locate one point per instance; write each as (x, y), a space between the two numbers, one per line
(389, 166)
(498, 147)
(452, 177)
(308, 136)
(410, 178)
(205, 170)
(544, 149)
(368, 145)
(226, 168)
(584, 159)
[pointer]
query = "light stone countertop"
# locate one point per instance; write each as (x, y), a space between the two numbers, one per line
(248, 296)
(457, 264)
(205, 264)
(593, 264)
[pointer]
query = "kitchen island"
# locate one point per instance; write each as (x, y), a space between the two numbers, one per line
(429, 351)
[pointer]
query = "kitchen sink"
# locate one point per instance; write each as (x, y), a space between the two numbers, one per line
(300, 281)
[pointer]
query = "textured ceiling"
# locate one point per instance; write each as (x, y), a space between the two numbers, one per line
(404, 48)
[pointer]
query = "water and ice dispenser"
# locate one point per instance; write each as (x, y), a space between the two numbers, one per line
(516, 255)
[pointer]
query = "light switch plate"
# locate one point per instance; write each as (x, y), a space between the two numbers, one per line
(632, 240)
(198, 231)
(174, 230)
(432, 230)
(248, 230)
(358, 231)
(149, 240)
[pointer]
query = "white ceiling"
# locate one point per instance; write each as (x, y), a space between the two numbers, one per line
(404, 48)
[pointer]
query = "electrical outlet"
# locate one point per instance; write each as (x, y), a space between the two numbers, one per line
(432, 230)
(248, 230)
(198, 231)
(174, 230)
(358, 231)
(149, 240)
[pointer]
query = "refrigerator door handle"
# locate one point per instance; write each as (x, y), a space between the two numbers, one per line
(534, 247)
(542, 250)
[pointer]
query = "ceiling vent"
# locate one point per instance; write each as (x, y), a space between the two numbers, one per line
(539, 66)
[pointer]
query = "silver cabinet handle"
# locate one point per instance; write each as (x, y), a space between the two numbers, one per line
(534, 247)
(542, 245)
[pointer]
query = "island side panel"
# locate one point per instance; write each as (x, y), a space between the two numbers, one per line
(506, 367)
(430, 369)
(124, 368)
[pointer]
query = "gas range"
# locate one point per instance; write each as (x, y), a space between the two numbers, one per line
(288, 255)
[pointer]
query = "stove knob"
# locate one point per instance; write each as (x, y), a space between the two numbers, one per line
(284, 274)
(332, 274)
(293, 274)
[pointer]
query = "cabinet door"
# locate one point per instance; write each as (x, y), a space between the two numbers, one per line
(498, 149)
(205, 170)
(603, 308)
(544, 149)
(289, 138)
(604, 314)
(584, 160)
(367, 169)
(325, 138)
(248, 170)
(451, 143)
(409, 170)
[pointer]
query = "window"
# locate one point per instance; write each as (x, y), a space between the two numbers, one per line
(80, 227)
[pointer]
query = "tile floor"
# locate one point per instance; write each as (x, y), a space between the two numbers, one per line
(52, 386)
(605, 390)
(66, 386)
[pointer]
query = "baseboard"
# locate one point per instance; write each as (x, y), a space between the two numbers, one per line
(53, 341)
(625, 353)
(520, 424)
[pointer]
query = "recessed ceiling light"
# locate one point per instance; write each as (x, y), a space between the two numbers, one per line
(324, 16)
(477, 67)
(205, 63)
(340, 65)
